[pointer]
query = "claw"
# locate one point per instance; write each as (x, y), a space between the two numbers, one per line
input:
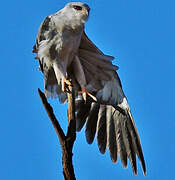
(93, 97)
(65, 82)
(85, 93)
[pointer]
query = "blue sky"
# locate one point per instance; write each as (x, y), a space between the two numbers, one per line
(141, 35)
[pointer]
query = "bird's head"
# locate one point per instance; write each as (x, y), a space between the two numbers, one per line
(77, 11)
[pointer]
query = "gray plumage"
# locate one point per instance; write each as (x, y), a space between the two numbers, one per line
(91, 122)
(101, 129)
(65, 52)
(111, 134)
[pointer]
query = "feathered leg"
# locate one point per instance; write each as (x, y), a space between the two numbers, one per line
(60, 72)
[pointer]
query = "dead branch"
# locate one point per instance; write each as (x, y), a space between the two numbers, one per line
(67, 141)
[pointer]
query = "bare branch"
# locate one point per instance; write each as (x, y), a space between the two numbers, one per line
(70, 138)
(52, 117)
(67, 141)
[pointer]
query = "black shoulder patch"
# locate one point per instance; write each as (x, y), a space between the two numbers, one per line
(44, 28)
(52, 51)
(45, 25)
(52, 34)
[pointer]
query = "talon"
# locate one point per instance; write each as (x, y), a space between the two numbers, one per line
(85, 93)
(93, 97)
(65, 83)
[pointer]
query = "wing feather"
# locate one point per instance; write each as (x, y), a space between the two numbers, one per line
(111, 134)
(96, 65)
(112, 119)
(46, 33)
(110, 116)
(128, 145)
(101, 129)
(87, 44)
(82, 112)
(92, 122)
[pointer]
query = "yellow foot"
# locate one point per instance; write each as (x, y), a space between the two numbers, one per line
(85, 93)
(65, 84)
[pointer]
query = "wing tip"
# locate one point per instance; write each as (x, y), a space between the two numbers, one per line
(144, 169)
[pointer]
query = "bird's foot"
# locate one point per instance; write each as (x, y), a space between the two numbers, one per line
(65, 85)
(85, 93)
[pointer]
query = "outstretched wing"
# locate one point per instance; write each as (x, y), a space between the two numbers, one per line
(96, 65)
(110, 117)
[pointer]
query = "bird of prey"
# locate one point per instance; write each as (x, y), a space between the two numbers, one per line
(65, 53)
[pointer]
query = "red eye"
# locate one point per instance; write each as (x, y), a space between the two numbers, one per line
(78, 8)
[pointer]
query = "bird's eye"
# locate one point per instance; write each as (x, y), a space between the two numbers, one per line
(78, 8)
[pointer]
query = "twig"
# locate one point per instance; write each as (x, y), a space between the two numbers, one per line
(52, 117)
(67, 141)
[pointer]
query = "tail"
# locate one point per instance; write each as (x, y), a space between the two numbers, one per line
(115, 129)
